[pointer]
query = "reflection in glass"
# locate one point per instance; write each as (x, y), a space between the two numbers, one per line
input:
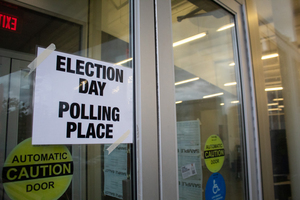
(278, 23)
(207, 94)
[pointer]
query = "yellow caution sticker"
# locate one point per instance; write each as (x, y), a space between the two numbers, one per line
(214, 153)
(37, 172)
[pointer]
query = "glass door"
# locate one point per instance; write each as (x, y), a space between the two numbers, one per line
(99, 30)
(209, 105)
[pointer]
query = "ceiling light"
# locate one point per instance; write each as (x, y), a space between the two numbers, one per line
(124, 61)
(230, 84)
(177, 102)
(235, 101)
(222, 104)
(213, 95)
(226, 27)
(269, 56)
(232, 64)
(274, 89)
(274, 109)
(278, 99)
(186, 81)
(272, 104)
(189, 39)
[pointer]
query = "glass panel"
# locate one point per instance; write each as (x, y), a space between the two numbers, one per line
(208, 102)
(100, 30)
(278, 23)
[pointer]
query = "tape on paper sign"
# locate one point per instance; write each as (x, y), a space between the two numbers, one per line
(214, 153)
(118, 142)
(37, 172)
(38, 60)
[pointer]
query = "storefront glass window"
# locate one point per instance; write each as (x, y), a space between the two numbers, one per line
(278, 23)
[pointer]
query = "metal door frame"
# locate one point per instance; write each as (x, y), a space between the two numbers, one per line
(155, 97)
(146, 101)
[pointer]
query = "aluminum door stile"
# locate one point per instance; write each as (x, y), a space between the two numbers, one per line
(261, 99)
(166, 102)
(145, 101)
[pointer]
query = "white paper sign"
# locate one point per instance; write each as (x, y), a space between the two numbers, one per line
(113, 183)
(115, 171)
(79, 100)
(189, 160)
(188, 170)
(190, 190)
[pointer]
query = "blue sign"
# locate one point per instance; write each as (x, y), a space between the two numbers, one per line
(215, 187)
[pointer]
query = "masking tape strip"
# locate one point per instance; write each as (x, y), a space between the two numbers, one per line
(118, 142)
(38, 60)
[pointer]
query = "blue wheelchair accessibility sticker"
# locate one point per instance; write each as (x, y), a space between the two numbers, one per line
(215, 187)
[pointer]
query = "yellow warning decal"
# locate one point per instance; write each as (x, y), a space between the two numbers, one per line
(214, 153)
(37, 172)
